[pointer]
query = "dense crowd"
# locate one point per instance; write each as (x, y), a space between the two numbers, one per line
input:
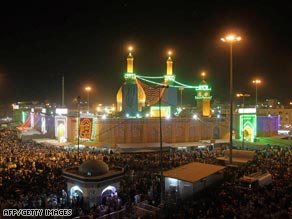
(31, 177)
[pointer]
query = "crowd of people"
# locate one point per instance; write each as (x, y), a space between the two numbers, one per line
(31, 177)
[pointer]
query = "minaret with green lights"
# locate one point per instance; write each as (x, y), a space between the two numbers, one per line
(130, 76)
(204, 97)
(131, 97)
(169, 77)
(130, 88)
(170, 94)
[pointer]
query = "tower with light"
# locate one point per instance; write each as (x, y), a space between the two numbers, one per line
(203, 97)
(169, 95)
(169, 77)
(131, 96)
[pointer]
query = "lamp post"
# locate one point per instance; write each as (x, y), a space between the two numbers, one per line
(256, 82)
(78, 126)
(160, 140)
(181, 90)
(88, 89)
(231, 39)
(242, 125)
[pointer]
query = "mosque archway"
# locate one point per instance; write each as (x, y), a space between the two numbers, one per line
(248, 134)
(108, 192)
(76, 192)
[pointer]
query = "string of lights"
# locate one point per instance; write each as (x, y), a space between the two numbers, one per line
(157, 77)
(152, 82)
(184, 85)
(180, 85)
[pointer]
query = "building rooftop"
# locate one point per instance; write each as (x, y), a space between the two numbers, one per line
(193, 172)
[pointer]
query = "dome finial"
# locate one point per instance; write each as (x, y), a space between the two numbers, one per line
(203, 74)
(169, 63)
(130, 49)
(130, 60)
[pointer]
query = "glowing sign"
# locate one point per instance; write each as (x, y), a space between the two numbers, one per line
(248, 127)
(61, 111)
(246, 110)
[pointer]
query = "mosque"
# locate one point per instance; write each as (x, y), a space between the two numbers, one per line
(147, 109)
(135, 96)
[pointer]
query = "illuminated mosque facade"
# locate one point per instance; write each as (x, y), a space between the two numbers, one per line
(135, 97)
(141, 104)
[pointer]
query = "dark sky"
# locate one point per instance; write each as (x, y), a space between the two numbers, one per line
(87, 43)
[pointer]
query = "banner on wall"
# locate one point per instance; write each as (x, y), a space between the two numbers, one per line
(85, 128)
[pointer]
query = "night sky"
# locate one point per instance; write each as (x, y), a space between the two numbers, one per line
(86, 42)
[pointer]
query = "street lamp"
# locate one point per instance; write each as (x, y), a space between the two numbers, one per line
(88, 89)
(256, 82)
(160, 133)
(231, 39)
(78, 126)
(243, 96)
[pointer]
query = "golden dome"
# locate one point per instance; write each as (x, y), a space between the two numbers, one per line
(120, 99)
(141, 94)
(141, 97)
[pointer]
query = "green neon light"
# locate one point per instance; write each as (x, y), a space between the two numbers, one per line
(203, 98)
(158, 83)
(169, 77)
(248, 121)
(130, 76)
(152, 82)
(141, 76)
(203, 88)
(184, 85)
(23, 116)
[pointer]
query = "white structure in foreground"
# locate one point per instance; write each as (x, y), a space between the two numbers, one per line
(191, 178)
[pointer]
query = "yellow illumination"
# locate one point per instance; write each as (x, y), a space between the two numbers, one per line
(88, 88)
(243, 95)
(231, 38)
(169, 64)
(130, 61)
(256, 81)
